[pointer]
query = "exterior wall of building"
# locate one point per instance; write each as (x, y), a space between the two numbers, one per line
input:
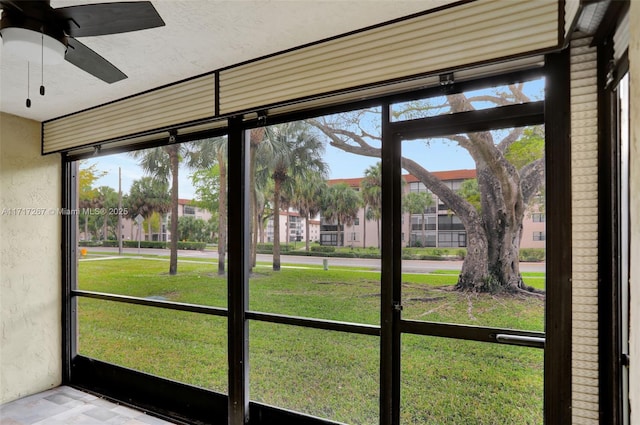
(533, 231)
(442, 229)
(130, 228)
(30, 275)
(296, 231)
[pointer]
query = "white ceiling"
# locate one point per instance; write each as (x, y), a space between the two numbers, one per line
(199, 36)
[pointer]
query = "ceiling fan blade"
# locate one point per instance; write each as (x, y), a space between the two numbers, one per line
(39, 9)
(91, 62)
(13, 5)
(108, 18)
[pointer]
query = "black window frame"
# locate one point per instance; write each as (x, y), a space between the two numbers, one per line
(612, 357)
(181, 402)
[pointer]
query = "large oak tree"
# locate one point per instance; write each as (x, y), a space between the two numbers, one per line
(506, 187)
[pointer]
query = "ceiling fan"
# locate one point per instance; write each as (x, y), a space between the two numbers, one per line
(43, 34)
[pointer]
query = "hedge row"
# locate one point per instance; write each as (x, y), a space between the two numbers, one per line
(193, 246)
(90, 243)
(526, 254)
(267, 248)
(532, 254)
(322, 248)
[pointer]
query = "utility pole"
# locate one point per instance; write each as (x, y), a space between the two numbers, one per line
(119, 211)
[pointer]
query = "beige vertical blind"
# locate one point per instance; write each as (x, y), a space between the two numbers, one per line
(470, 33)
(571, 8)
(584, 204)
(184, 102)
(621, 38)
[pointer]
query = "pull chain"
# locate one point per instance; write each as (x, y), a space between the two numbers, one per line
(28, 85)
(42, 63)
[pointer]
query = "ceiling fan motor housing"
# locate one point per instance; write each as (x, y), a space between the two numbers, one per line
(32, 39)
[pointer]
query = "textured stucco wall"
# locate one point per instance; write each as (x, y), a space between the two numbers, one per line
(30, 300)
(634, 84)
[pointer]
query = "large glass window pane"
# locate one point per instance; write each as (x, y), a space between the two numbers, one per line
(316, 220)
(479, 258)
(186, 347)
(483, 98)
(130, 198)
(446, 381)
(328, 374)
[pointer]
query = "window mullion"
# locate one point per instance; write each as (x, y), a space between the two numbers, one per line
(391, 253)
(238, 279)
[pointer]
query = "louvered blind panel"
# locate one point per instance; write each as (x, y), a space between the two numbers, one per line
(184, 102)
(584, 188)
(621, 38)
(84, 151)
(463, 35)
(571, 8)
(154, 137)
(529, 62)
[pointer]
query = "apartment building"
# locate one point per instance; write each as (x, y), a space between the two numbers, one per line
(438, 227)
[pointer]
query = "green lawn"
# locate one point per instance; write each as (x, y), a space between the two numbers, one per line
(323, 373)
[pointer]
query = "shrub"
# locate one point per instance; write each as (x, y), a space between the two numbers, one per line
(264, 248)
(143, 244)
(461, 253)
(532, 254)
(323, 248)
(193, 246)
(267, 248)
(91, 243)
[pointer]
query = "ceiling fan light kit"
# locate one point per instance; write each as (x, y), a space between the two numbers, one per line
(35, 47)
(41, 34)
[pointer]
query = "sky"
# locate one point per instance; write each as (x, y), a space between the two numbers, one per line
(437, 156)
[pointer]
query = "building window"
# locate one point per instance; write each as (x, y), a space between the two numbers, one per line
(356, 222)
(538, 217)
(189, 210)
(538, 236)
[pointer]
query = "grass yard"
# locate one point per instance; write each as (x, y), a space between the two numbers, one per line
(323, 373)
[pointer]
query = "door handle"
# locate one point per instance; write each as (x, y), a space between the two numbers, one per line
(524, 341)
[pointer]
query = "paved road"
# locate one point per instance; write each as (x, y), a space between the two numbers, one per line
(411, 266)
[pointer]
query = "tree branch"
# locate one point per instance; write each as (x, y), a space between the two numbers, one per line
(531, 179)
(512, 137)
(461, 207)
(361, 146)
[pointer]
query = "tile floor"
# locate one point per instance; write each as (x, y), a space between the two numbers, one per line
(68, 406)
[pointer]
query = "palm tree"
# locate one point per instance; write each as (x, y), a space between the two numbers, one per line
(371, 189)
(417, 203)
(309, 192)
(256, 136)
(204, 155)
(264, 209)
(341, 204)
(163, 163)
(289, 150)
(146, 197)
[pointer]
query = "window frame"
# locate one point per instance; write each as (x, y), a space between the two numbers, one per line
(175, 400)
(613, 358)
